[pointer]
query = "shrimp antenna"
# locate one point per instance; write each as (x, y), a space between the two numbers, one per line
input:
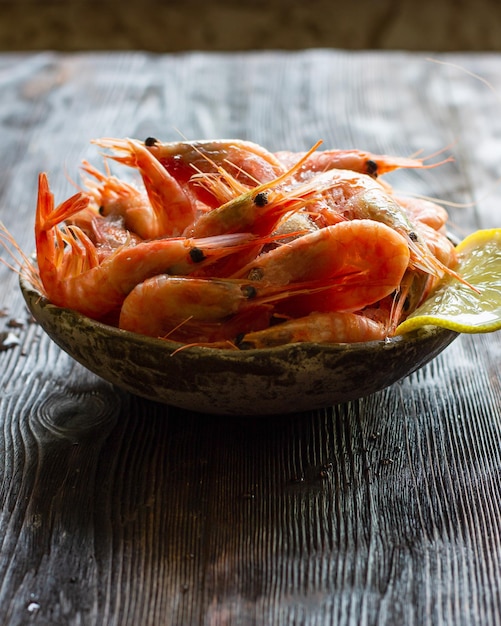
(469, 73)
(21, 262)
(172, 330)
(448, 159)
(232, 182)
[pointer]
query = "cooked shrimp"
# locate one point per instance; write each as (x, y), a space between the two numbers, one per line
(418, 285)
(410, 293)
(439, 244)
(377, 205)
(196, 305)
(72, 275)
(248, 161)
(258, 210)
(356, 160)
(226, 246)
(159, 304)
(166, 211)
(332, 327)
(362, 260)
(118, 201)
(358, 196)
(107, 232)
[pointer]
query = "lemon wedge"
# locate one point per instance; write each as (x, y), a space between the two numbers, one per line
(457, 306)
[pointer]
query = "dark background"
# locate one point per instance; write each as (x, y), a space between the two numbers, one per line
(170, 26)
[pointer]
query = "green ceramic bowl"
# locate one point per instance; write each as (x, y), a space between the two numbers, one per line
(291, 378)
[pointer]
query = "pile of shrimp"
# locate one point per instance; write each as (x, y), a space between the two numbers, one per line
(226, 244)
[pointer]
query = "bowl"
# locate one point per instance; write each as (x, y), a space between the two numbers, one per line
(286, 379)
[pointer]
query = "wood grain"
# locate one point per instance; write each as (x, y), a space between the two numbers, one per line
(117, 511)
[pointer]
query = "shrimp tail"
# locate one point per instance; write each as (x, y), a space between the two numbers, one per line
(58, 251)
(47, 217)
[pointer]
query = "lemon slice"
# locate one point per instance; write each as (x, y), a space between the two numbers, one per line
(456, 306)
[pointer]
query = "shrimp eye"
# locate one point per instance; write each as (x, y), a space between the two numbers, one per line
(413, 236)
(150, 141)
(101, 210)
(197, 255)
(371, 167)
(261, 199)
(249, 291)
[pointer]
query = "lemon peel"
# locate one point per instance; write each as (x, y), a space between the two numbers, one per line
(457, 306)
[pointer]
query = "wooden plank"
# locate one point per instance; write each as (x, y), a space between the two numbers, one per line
(116, 510)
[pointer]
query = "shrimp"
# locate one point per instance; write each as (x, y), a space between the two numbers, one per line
(166, 211)
(73, 276)
(442, 248)
(358, 196)
(398, 305)
(162, 302)
(118, 201)
(420, 286)
(361, 261)
(259, 209)
(201, 309)
(249, 161)
(105, 226)
(377, 205)
(356, 160)
(201, 305)
(326, 327)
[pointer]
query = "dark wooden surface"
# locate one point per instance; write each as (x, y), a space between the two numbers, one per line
(118, 511)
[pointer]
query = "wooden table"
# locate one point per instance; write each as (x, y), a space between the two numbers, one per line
(120, 511)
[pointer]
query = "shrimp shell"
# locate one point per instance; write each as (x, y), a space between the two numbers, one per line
(358, 262)
(330, 327)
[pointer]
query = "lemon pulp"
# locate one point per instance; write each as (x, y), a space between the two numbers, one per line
(457, 306)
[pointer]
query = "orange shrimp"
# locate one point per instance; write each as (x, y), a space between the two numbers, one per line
(439, 244)
(197, 306)
(377, 205)
(421, 285)
(358, 196)
(105, 226)
(328, 327)
(356, 160)
(169, 209)
(248, 161)
(362, 260)
(118, 201)
(159, 304)
(73, 276)
(259, 209)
